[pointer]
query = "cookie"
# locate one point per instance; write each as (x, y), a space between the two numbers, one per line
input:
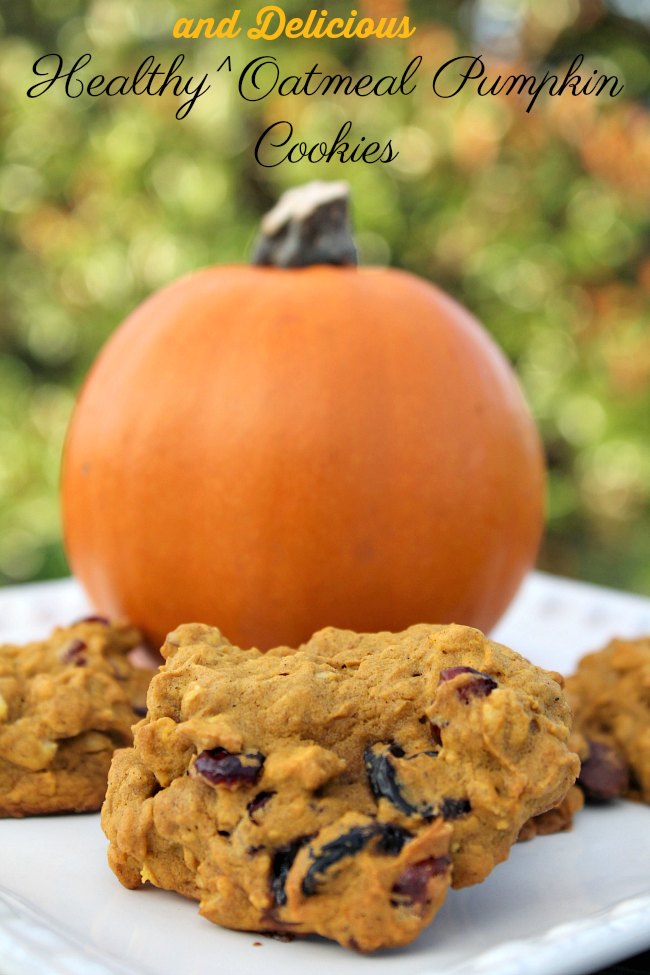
(338, 789)
(610, 696)
(66, 704)
(555, 820)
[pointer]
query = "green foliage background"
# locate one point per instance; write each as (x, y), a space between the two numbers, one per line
(538, 222)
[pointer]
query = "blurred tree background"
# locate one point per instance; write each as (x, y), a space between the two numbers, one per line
(539, 222)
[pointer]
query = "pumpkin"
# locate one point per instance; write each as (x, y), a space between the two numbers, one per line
(276, 448)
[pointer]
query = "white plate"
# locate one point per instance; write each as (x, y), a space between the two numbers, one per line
(564, 904)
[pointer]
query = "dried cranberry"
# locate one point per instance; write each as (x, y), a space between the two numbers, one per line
(257, 802)
(75, 653)
(221, 767)
(604, 774)
(481, 686)
(414, 882)
(104, 620)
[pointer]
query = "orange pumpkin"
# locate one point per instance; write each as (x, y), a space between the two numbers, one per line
(275, 450)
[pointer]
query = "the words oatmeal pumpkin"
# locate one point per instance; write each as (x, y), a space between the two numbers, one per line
(301, 443)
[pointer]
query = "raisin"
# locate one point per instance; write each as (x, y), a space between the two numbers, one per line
(75, 653)
(140, 709)
(391, 839)
(455, 808)
(347, 845)
(481, 686)
(434, 730)
(436, 733)
(382, 778)
(281, 865)
(218, 766)
(634, 784)
(414, 881)
(257, 802)
(604, 774)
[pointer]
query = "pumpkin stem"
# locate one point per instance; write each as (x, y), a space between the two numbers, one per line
(308, 225)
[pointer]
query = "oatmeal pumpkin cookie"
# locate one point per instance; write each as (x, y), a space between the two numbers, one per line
(610, 696)
(340, 788)
(66, 704)
(555, 820)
